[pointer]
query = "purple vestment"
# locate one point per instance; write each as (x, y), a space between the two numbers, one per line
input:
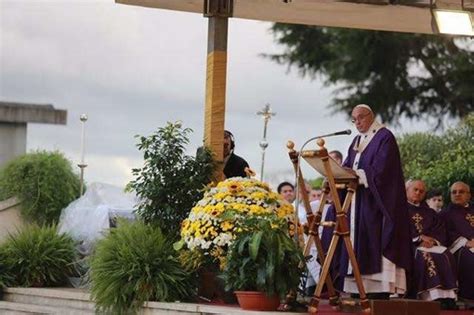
(326, 237)
(460, 224)
(381, 216)
(431, 270)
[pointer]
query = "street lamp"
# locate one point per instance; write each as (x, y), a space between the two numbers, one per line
(266, 114)
(82, 165)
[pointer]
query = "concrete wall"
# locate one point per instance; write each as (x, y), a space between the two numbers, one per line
(10, 219)
(14, 118)
(12, 141)
(31, 113)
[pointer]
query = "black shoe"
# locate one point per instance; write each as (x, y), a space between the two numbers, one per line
(309, 291)
(448, 304)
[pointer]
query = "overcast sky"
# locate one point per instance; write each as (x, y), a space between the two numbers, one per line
(132, 69)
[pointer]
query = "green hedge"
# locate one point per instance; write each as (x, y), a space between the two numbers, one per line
(44, 182)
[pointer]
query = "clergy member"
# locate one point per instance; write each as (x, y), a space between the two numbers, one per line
(459, 219)
(379, 216)
(434, 274)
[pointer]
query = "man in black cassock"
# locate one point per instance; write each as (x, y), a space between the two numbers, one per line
(234, 165)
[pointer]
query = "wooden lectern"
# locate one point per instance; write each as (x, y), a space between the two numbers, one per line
(336, 177)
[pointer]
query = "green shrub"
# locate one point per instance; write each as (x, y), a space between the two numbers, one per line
(133, 264)
(5, 276)
(263, 258)
(170, 182)
(440, 160)
(44, 182)
(38, 256)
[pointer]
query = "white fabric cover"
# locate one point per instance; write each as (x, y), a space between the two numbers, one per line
(86, 218)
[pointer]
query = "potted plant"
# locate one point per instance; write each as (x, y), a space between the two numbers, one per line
(263, 265)
(216, 220)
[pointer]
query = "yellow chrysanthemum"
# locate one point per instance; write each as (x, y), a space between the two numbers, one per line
(220, 195)
(226, 226)
(234, 187)
(257, 195)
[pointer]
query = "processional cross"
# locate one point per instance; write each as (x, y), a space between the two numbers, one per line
(266, 114)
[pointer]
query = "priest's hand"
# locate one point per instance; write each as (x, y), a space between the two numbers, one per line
(427, 241)
(470, 244)
(350, 170)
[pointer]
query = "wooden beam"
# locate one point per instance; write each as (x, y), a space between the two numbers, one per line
(333, 13)
(216, 75)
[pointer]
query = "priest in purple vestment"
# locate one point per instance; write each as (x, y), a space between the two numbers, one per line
(459, 219)
(434, 273)
(379, 218)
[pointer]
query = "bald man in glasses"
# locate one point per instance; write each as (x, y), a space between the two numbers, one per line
(434, 274)
(459, 219)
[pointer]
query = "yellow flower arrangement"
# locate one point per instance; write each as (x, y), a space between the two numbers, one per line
(216, 219)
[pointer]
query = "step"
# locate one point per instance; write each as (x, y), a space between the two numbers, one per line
(14, 308)
(71, 301)
(62, 298)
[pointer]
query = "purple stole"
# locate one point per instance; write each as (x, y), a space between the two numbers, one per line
(431, 270)
(460, 223)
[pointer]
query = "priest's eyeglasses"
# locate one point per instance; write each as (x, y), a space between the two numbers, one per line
(359, 118)
(454, 192)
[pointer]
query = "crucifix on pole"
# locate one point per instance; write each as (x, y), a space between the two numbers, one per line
(266, 114)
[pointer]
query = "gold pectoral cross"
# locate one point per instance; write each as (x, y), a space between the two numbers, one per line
(418, 218)
(470, 219)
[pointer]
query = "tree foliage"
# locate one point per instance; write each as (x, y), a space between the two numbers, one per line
(43, 181)
(440, 160)
(410, 75)
(170, 182)
(316, 183)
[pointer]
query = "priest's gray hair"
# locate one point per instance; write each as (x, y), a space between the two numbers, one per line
(462, 184)
(410, 182)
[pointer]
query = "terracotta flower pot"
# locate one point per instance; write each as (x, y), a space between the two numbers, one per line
(212, 288)
(257, 301)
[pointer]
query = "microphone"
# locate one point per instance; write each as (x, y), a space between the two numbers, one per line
(337, 133)
(343, 132)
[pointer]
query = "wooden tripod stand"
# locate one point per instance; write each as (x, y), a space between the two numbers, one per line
(320, 160)
(313, 222)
